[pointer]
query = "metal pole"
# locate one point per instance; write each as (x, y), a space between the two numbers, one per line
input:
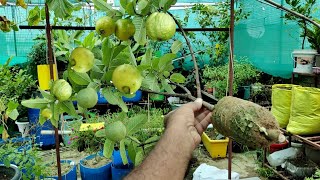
(51, 62)
(231, 78)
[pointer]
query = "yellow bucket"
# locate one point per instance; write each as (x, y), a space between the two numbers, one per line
(44, 75)
(216, 148)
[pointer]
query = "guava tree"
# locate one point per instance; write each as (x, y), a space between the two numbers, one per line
(110, 60)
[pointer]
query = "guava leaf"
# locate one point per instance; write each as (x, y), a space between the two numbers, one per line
(123, 3)
(166, 4)
(94, 85)
(95, 68)
(131, 57)
(12, 111)
(132, 151)
(34, 16)
(147, 57)
(151, 141)
(88, 41)
(123, 153)
(107, 47)
(42, 120)
(139, 157)
(108, 148)
(21, 3)
(143, 7)
(47, 95)
(177, 78)
(61, 8)
(55, 108)
(79, 78)
(13, 114)
(135, 123)
(176, 46)
(131, 5)
(165, 61)
(68, 107)
(104, 6)
(166, 86)
(114, 98)
(100, 133)
(151, 82)
(141, 33)
(35, 103)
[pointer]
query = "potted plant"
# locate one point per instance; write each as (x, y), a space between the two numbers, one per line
(68, 170)
(10, 172)
(95, 166)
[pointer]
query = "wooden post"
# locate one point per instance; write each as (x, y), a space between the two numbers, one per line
(50, 61)
(230, 80)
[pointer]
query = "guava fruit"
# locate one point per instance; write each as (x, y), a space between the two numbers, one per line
(61, 89)
(46, 113)
(116, 131)
(105, 26)
(127, 78)
(160, 26)
(87, 98)
(81, 60)
(124, 29)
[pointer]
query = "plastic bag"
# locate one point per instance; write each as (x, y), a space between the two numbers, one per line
(207, 172)
(305, 111)
(281, 103)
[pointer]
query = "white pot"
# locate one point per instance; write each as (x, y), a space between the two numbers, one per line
(24, 128)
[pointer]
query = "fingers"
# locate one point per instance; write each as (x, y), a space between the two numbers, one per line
(195, 106)
(201, 114)
(202, 126)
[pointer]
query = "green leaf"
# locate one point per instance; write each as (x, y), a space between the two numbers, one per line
(55, 108)
(151, 141)
(143, 7)
(139, 157)
(61, 8)
(79, 78)
(123, 153)
(123, 3)
(151, 82)
(108, 148)
(35, 103)
(132, 152)
(141, 33)
(130, 7)
(135, 123)
(177, 78)
(47, 95)
(114, 98)
(166, 4)
(166, 86)
(142, 68)
(100, 133)
(68, 107)
(104, 6)
(34, 16)
(6, 162)
(13, 114)
(88, 41)
(94, 85)
(176, 46)
(147, 57)
(165, 61)
(131, 57)
(134, 139)
(95, 68)
(42, 120)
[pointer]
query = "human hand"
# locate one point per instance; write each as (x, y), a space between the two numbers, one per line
(188, 122)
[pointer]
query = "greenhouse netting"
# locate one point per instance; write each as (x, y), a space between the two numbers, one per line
(264, 37)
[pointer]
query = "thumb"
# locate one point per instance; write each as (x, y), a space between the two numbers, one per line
(196, 105)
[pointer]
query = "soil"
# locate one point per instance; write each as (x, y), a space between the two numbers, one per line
(5, 177)
(52, 169)
(212, 133)
(96, 162)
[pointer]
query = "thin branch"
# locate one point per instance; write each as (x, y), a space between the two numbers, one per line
(192, 55)
(209, 95)
(182, 87)
(187, 96)
(292, 12)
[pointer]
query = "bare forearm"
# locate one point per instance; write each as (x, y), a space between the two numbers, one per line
(169, 159)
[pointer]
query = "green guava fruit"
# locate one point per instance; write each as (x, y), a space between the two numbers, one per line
(124, 29)
(87, 98)
(160, 26)
(116, 131)
(127, 78)
(61, 89)
(105, 26)
(81, 60)
(46, 113)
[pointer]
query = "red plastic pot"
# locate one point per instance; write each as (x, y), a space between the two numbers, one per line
(278, 147)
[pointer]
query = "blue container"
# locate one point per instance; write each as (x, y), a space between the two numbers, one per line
(71, 175)
(118, 173)
(99, 173)
(42, 140)
(136, 98)
(117, 161)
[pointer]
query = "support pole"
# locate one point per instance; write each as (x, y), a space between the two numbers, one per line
(230, 80)
(51, 63)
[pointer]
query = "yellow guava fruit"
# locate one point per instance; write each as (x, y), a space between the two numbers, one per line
(61, 89)
(160, 26)
(127, 78)
(124, 29)
(81, 60)
(105, 26)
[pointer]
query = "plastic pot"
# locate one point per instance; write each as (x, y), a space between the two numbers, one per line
(278, 147)
(70, 175)
(119, 173)
(12, 172)
(99, 173)
(118, 169)
(23, 127)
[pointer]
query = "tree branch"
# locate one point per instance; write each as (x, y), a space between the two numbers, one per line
(292, 12)
(192, 55)
(187, 96)
(209, 95)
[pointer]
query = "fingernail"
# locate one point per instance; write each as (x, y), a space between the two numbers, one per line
(198, 100)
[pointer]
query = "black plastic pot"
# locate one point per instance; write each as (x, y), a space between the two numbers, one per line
(10, 173)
